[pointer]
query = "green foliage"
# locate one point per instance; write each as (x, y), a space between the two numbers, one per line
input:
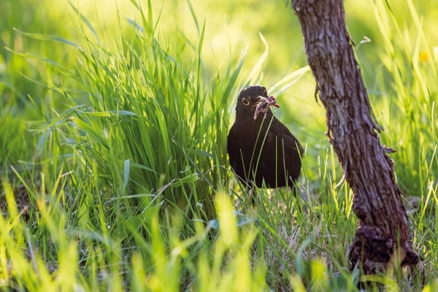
(114, 172)
(409, 94)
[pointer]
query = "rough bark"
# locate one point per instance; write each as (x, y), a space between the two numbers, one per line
(383, 235)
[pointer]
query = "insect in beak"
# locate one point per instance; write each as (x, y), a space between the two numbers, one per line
(264, 105)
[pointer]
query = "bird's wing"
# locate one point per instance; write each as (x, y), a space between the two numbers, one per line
(278, 129)
(291, 153)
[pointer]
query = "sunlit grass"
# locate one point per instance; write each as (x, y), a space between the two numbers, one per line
(115, 176)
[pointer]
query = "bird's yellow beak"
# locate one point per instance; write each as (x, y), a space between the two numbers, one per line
(263, 104)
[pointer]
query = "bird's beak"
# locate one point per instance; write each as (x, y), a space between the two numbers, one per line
(263, 105)
(273, 101)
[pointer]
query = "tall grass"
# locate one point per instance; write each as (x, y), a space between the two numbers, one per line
(123, 181)
(409, 96)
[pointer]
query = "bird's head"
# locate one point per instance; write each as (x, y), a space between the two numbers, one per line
(254, 100)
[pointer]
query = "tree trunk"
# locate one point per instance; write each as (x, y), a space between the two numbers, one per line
(382, 237)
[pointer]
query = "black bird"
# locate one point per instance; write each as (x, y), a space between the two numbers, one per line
(260, 147)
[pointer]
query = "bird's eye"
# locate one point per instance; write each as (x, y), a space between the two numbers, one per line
(245, 101)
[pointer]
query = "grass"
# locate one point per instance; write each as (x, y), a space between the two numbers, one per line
(115, 176)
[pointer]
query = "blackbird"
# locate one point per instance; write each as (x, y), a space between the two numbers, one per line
(260, 147)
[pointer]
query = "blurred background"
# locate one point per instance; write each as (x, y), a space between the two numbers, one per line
(110, 110)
